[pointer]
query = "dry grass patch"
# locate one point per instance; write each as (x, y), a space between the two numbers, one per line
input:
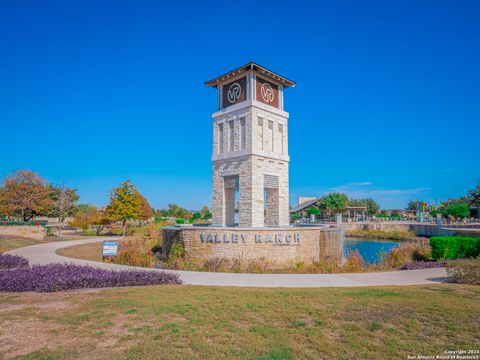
(91, 251)
(240, 323)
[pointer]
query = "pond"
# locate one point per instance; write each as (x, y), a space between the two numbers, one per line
(370, 249)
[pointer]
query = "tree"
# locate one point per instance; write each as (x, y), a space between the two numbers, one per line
(206, 213)
(296, 217)
(24, 195)
(124, 204)
(413, 204)
(86, 216)
(313, 211)
(474, 195)
(457, 211)
(146, 211)
(65, 202)
(371, 205)
(333, 203)
(177, 211)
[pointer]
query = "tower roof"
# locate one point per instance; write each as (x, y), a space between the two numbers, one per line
(251, 66)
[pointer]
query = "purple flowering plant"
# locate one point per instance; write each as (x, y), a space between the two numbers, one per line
(12, 261)
(17, 276)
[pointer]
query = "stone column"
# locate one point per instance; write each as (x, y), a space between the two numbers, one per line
(218, 210)
(230, 201)
(271, 207)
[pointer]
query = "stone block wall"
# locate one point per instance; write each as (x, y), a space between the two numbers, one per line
(281, 247)
(37, 232)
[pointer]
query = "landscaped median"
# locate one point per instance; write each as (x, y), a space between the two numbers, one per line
(17, 276)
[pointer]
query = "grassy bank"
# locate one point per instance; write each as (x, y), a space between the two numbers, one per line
(240, 323)
(10, 243)
(374, 234)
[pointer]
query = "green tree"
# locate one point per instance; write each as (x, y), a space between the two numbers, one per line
(334, 203)
(313, 212)
(24, 195)
(125, 204)
(206, 213)
(296, 217)
(413, 204)
(177, 211)
(474, 195)
(457, 211)
(372, 206)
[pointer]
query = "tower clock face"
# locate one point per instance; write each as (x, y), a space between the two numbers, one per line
(267, 92)
(234, 92)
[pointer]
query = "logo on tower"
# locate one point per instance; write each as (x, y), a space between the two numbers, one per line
(234, 92)
(267, 92)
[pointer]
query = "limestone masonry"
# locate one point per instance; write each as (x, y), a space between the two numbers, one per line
(250, 204)
(250, 149)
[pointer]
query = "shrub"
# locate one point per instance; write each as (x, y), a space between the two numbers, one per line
(259, 265)
(354, 262)
(464, 271)
(416, 265)
(324, 266)
(180, 221)
(405, 253)
(221, 265)
(454, 247)
(50, 231)
(59, 277)
(135, 252)
(12, 261)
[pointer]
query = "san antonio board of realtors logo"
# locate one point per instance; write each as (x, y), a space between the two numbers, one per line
(234, 92)
(267, 93)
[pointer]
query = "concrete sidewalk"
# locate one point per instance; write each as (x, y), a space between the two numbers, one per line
(46, 253)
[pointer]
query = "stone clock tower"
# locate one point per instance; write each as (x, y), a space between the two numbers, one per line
(250, 149)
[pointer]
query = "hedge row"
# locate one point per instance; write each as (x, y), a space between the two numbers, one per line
(22, 223)
(454, 247)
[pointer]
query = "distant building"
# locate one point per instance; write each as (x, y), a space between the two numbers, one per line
(351, 213)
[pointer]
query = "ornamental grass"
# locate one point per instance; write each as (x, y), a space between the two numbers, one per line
(464, 271)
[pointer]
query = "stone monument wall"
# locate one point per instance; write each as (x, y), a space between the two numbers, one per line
(282, 246)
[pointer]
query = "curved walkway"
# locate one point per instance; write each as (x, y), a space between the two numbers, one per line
(46, 253)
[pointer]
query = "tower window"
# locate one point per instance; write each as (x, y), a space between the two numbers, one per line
(231, 136)
(220, 138)
(270, 128)
(243, 134)
(280, 132)
(260, 126)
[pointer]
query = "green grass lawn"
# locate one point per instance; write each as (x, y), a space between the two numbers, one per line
(187, 322)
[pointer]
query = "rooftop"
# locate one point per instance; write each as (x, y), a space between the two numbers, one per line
(251, 66)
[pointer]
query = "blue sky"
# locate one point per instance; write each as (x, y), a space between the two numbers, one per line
(387, 103)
